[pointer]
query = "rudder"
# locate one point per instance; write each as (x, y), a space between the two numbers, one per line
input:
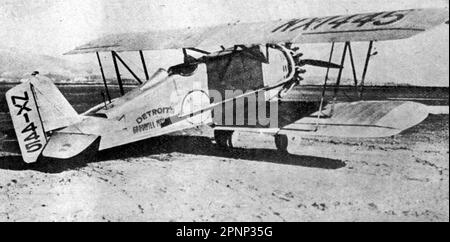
(37, 107)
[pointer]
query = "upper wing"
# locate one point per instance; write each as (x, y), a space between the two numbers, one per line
(358, 27)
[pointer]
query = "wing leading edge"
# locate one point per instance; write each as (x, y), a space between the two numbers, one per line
(377, 26)
(365, 119)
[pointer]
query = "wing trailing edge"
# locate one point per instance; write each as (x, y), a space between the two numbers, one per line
(374, 119)
(378, 26)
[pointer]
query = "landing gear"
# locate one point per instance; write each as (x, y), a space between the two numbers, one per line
(224, 138)
(281, 142)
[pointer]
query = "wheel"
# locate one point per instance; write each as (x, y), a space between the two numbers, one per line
(224, 138)
(281, 142)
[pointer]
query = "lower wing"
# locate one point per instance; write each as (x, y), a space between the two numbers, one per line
(360, 120)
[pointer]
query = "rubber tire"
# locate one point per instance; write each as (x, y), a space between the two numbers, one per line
(224, 138)
(281, 142)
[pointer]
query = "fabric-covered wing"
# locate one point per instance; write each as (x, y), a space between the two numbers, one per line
(358, 27)
(372, 119)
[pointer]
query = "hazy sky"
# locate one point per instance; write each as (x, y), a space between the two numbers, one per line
(57, 26)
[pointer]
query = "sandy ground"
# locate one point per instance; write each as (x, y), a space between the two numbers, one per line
(404, 178)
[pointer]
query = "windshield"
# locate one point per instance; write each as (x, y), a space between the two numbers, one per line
(183, 69)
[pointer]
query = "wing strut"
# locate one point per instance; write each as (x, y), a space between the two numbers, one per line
(144, 65)
(103, 77)
(322, 99)
(366, 66)
(339, 78)
(352, 61)
(360, 90)
(347, 47)
(119, 78)
(127, 67)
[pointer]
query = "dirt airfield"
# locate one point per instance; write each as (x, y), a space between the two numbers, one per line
(404, 178)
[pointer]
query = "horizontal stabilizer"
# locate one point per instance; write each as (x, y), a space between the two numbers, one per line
(361, 120)
(67, 145)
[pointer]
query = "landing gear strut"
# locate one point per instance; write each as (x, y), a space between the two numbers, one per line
(224, 138)
(281, 142)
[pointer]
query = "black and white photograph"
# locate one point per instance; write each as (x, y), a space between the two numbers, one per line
(224, 111)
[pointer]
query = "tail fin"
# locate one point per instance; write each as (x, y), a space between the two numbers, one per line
(37, 107)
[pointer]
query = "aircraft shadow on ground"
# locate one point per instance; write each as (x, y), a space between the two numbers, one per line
(187, 145)
(51, 166)
(204, 147)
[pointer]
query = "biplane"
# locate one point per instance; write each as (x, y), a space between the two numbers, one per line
(256, 61)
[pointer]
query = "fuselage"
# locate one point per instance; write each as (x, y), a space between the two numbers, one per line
(173, 100)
